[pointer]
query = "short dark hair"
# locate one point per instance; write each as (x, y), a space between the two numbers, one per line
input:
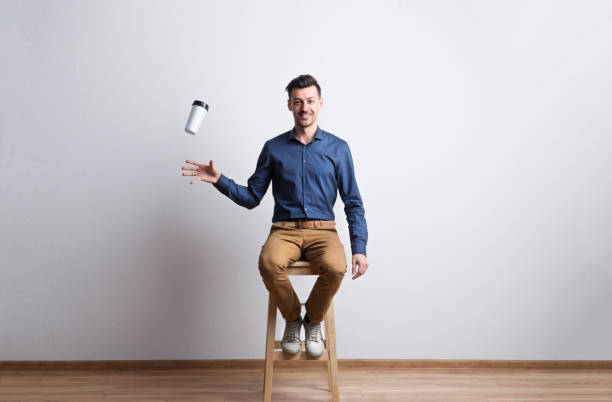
(303, 81)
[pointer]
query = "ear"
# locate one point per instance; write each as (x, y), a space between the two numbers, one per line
(289, 104)
(321, 103)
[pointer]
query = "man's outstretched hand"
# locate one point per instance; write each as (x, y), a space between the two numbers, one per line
(206, 173)
(361, 261)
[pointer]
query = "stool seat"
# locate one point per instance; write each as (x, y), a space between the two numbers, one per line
(273, 346)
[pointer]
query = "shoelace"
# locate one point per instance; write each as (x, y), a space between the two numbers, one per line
(290, 333)
(315, 330)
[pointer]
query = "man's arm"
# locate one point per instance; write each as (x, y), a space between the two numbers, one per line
(353, 206)
(249, 196)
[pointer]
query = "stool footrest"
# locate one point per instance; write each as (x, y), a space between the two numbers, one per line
(301, 355)
(277, 344)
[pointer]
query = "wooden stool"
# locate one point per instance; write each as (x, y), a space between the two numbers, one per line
(273, 346)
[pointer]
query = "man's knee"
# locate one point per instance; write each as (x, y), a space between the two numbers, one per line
(270, 262)
(334, 264)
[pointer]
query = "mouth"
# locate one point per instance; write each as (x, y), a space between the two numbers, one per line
(304, 116)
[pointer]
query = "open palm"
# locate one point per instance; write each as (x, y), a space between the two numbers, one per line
(207, 173)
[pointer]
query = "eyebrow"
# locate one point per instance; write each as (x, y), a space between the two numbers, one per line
(311, 97)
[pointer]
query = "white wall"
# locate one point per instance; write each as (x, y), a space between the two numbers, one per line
(480, 133)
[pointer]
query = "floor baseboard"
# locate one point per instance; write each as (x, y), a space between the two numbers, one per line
(259, 364)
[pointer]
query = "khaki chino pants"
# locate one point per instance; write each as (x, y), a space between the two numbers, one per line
(284, 246)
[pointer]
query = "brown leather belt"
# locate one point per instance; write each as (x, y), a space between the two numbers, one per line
(300, 224)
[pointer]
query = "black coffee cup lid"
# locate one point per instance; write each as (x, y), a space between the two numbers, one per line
(200, 103)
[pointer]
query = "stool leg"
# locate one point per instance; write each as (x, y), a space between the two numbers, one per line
(270, 335)
(332, 363)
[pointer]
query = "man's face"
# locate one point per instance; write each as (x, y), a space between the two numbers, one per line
(305, 105)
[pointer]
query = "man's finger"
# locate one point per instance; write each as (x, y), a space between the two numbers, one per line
(189, 168)
(194, 163)
(353, 270)
(196, 180)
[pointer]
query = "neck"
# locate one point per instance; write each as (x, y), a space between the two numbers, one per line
(305, 133)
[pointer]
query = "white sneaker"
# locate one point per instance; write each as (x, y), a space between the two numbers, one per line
(314, 339)
(291, 342)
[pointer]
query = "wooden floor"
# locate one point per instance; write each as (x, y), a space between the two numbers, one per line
(295, 383)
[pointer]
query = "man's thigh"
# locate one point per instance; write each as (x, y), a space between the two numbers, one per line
(281, 249)
(324, 248)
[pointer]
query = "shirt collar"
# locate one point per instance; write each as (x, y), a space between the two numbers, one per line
(319, 134)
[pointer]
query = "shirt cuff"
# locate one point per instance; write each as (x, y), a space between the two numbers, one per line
(359, 249)
(222, 184)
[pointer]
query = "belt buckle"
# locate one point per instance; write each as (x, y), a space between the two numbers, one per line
(299, 222)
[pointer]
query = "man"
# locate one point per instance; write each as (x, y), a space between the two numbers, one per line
(307, 167)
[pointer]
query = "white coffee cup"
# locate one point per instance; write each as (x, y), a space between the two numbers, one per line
(198, 111)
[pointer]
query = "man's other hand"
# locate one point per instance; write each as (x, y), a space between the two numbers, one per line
(206, 173)
(361, 261)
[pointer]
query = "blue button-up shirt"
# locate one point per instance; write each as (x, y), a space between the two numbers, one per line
(305, 182)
